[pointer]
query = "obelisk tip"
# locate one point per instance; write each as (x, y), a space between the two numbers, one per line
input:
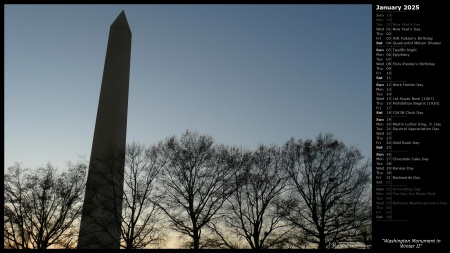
(121, 19)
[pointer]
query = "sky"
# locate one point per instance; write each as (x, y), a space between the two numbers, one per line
(243, 74)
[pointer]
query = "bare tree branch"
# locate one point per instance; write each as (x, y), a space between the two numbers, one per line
(142, 221)
(42, 206)
(330, 187)
(193, 179)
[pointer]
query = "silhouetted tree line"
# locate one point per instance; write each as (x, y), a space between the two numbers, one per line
(305, 193)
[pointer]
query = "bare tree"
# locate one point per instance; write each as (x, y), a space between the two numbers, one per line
(330, 187)
(42, 206)
(194, 182)
(254, 212)
(142, 225)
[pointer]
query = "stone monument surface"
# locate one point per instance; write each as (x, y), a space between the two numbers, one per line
(102, 207)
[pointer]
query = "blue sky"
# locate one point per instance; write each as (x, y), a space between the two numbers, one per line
(244, 74)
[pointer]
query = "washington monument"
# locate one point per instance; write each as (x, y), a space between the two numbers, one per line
(102, 208)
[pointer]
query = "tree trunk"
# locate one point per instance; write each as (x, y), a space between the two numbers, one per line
(256, 236)
(322, 244)
(196, 238)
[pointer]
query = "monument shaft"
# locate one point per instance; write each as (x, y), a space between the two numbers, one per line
(102, 209)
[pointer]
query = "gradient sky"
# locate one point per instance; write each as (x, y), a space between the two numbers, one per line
(244, 74)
